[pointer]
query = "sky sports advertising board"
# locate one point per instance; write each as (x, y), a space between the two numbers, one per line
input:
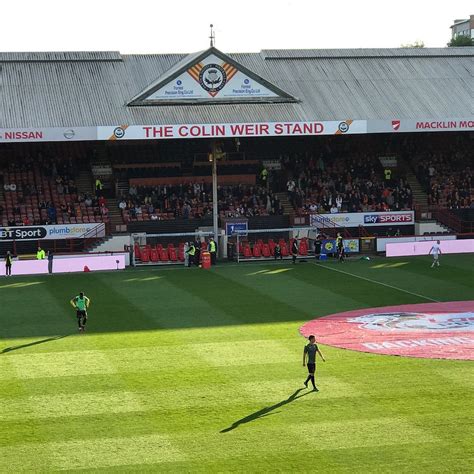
(52, 232)
(355, 219)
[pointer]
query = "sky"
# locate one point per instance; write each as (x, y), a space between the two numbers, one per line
(182, 26)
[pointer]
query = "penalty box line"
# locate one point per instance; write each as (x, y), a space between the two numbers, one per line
(377, 282)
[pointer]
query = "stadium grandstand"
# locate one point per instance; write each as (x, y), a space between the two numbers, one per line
(120, 144)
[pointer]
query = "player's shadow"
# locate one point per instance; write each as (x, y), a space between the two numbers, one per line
(22, 346)
(265, 411)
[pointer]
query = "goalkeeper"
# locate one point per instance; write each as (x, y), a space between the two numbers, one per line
(80, 303)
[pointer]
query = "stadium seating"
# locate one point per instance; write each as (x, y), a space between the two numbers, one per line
(29, 197)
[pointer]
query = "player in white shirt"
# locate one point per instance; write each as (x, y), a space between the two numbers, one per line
(436, 252)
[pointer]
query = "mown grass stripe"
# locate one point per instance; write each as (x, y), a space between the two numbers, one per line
(97, 453)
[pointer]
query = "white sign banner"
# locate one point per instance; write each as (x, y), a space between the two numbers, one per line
(52, 232)
(421, 125)
(355, 219)
(211, 79)
(216, 130)
(55, 134)
(383, 241)
(224, 130)
(388, 161)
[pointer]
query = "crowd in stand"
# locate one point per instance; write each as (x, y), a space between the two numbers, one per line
(447, 180)
(42, 190)
(194, 200)
(443, 165)
(344, 184)
(331, 178)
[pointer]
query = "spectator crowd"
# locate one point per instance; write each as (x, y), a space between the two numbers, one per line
(194, 200)
(344, 184)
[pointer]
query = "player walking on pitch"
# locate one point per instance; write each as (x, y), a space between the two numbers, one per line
(80, 303)
(436, 252)
(310, 350)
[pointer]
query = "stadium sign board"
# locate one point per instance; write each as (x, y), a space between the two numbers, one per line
(52, 232)
(329, 246)
(355, 219)
(230, 130)
(211, 78)
(439, 124)
(233, 226)
(43, 134)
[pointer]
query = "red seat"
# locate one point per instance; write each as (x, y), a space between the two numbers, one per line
(256, 251)
(172, 254)
(145, 255)
(137, 250)
(266, 250)
(164, 255)
(154, 255)
(181, 254)
(247, 251)
(284, 249)
(303, 248)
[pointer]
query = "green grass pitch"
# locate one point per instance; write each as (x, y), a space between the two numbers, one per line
(198, 371)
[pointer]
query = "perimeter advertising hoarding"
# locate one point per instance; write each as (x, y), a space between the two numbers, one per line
(350, 246)
(355, 219)
(62, 264)
(52, 232)
(383, 241)
(423, 248)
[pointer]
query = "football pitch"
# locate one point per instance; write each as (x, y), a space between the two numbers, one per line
(201, 371)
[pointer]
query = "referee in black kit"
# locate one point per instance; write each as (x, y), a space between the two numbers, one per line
(310, 351)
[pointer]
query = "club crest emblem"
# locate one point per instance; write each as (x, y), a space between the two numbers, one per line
(408, 321)
(212, 78)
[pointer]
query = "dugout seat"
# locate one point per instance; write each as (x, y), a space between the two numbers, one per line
(266, 250)
(247, 251)
(154, 255)
(303, 248)
(145, 255)
(256, 251)
(172, 254)
(137, 252)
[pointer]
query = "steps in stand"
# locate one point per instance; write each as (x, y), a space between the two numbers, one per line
(285, 204)
(420, 198)
(115, 215)
(84, 182)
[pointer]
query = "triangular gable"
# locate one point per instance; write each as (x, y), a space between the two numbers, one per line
(210, 77)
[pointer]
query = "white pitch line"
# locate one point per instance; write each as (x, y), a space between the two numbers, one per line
(377, 282)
